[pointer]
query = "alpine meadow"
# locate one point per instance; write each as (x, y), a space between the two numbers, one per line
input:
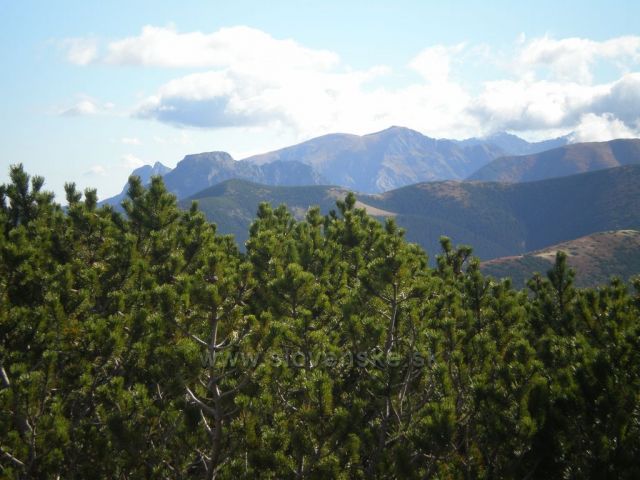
(320, 240)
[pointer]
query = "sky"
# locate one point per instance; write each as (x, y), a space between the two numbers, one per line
(91, 90)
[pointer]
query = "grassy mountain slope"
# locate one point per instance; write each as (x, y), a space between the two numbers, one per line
(496, 219)
(594, 257)
(563, 161)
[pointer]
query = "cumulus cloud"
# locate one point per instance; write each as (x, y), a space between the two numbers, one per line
(622, 98)
(434, 63)
(542, 105)
(245, 77)
(239, 96)
(206, 99)
(532, 105)
(574, 58)
(165, 47)
(600, 128)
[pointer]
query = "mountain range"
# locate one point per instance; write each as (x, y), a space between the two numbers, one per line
(399, 156)
(385, 160)
(391, 159)
(371, 163)
(512, 200)
(497, 219)
(514, 145)
(197, 172)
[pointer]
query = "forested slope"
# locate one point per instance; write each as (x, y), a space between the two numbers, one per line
(497, 219)
(144, 345)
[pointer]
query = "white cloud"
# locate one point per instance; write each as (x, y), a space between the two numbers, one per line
(319, 102)
(542, 105)
(530, 105)
(622, 98)
(203, 100)
(130, 141)
(129, 160)
(600, 128)
(80, 51)
(237, 96)
(254, 80)
(165, 47)
(434, 63)
(574, 58)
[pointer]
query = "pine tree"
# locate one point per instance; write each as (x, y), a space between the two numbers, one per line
(145, 345)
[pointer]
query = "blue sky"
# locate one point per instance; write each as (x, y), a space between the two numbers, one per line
(93, 89)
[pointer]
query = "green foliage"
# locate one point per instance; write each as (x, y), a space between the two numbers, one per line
(146, 345)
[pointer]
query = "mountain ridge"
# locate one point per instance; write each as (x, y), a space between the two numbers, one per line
(145, 172)
(198, 171)
(384, 160)
(595, 258)
(562, 161)
(497, 219)
(372, 163)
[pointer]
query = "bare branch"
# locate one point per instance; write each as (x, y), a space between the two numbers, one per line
(200, 403)
(206, 424)
(11, 457)
(5, 377)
